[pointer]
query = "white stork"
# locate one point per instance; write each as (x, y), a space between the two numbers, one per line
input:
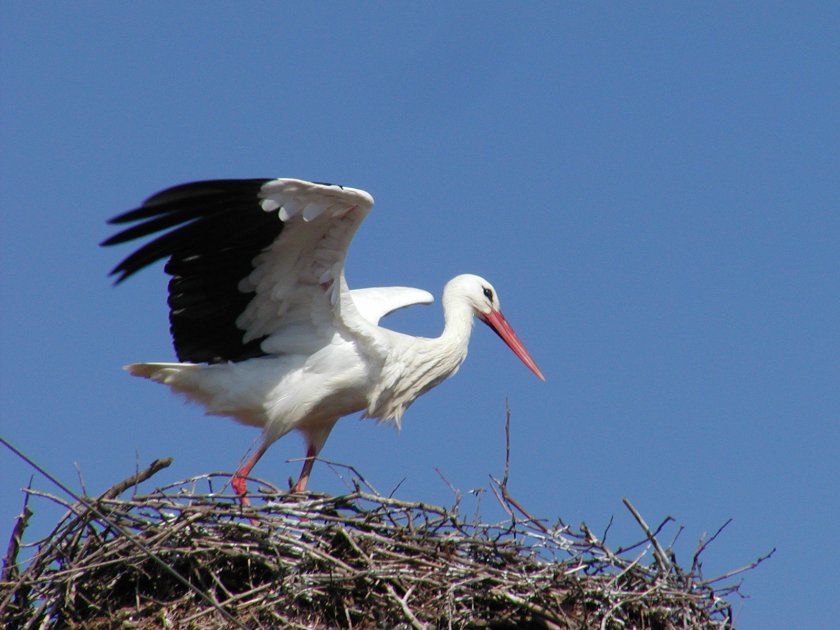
(263, 323)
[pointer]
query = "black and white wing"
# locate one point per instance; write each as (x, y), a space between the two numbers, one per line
(256, 265)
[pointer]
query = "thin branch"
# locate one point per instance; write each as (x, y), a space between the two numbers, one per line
(412, 619)
(507, 445)
(10, 569)
(701, 546)
(456, 494)
(739, 570)
(137, 478)
(658, 552)
(509, 500)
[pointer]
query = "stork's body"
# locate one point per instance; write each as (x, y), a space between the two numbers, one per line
(263, 321)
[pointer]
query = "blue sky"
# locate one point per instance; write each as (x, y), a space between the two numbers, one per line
(652, 188)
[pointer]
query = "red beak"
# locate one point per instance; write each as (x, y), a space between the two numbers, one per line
(499, 324)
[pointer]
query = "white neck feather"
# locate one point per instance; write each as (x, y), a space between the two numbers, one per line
(421, 362)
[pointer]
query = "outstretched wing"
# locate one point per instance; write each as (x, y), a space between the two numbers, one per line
(256, 264)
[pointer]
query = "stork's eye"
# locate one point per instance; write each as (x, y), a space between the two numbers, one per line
(488, 293)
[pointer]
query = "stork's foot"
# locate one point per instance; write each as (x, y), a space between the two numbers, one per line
(239, 480)
(240, 487)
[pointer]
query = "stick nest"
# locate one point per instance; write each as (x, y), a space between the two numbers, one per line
(186, 556)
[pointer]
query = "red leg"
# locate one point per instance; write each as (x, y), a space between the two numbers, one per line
(238, 480)
(300, 486)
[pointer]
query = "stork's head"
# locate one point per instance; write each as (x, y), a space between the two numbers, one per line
(483, 299)
(476, 291)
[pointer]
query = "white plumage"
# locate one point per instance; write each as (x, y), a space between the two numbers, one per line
(263, 321)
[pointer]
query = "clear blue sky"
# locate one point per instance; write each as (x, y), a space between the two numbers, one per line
(654, 190)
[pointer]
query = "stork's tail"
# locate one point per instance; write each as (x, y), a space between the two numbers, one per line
(182, 378)
(208, 385)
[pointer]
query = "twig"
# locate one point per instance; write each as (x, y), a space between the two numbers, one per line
(658, 553)
(507, 445)
(537, 610)
(153, 468)
(10, 569)
(746, 567)
(702, 544)
(509, 500)
(412, 619)
(81, 477)
(456, 494)
(352, 469)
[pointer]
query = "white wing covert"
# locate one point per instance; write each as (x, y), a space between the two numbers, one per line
(297, 279)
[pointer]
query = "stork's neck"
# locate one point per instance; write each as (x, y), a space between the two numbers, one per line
(423, 362)
(458, 322)
(450, 349)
